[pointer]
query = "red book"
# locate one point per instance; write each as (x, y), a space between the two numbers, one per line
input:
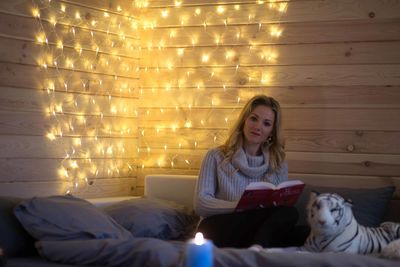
(263, 194)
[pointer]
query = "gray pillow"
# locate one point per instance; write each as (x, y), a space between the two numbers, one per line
(150, 217)
(66, 218)
(14, 240)
(369, 205)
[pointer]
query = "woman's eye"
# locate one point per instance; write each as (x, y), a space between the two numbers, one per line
(252, 118)
(267, 124)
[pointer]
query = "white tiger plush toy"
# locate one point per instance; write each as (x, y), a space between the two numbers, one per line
(334, 229)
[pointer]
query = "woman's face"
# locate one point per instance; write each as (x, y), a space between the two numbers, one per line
(259, 125)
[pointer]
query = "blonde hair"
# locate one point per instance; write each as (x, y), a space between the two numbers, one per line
(275, 147)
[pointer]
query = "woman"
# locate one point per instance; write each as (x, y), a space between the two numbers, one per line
(253, 152)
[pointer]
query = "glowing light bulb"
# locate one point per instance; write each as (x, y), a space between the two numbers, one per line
(51, 136)
(36, 12)
(180, 51)
(220, 9)
(164, 13)
(205, 58)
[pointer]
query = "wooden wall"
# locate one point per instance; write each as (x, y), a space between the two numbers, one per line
(97, 94)
(69, 98)
(334, 65)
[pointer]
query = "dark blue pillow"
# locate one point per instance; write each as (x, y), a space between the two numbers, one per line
(66, 218)
(149, 217)
(369, 204)
(14, 240)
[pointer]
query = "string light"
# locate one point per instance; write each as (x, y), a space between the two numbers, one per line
(73, 126)
(174, 76)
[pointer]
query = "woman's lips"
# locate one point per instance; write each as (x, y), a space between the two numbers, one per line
(255, 133)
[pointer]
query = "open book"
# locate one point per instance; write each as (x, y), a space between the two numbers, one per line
(264, 194)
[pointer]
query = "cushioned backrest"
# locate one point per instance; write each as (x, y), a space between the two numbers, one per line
(178, 188)
(14, 240)
(393, 211)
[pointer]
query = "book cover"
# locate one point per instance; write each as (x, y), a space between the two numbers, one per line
(263, 194)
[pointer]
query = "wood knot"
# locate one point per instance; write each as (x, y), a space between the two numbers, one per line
(359, 133)
(88, 16)
(242, 81)
(90, 182)
(371, 14)
(350, 148)
(347, 54)
(367, 163)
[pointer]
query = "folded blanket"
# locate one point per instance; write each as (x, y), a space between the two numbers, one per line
(138, 252)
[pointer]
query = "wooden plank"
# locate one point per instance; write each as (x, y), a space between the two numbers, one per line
(348, 181)
(344, 164)
(294, 11)
(372, 142)
(40, 147)
(288, 96)
(34, 77)
(311, 75)
(51, 11)
(291, 54)
(100, 188)
(30, 53)
(35, 170)
(108, 188)
(368, 142)
(292, 33)
(38, 100)
(293, 118)
(299, 162)
(110, 6)
(28, 28)
(26, 123)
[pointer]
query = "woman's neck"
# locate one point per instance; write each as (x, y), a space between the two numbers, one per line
(252, 150)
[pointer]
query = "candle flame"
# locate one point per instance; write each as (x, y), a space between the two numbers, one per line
(199, 239)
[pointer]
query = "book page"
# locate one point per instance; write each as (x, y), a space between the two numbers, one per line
(260, 185)
(266, 185)
(289, 183)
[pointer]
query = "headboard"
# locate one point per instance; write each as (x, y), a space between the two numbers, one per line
(178, 188)
(181, 188)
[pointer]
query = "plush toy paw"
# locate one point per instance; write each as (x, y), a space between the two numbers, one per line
(392, 250)
(259, 248)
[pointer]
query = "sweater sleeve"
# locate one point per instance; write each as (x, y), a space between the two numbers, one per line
(282, 173)
(206, 204)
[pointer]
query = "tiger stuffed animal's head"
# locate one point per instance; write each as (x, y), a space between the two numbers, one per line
(328, 213)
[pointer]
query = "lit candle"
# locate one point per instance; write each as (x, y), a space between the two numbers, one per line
(199, 252)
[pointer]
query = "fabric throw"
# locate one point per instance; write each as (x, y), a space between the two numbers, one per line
(67, 218)
(150, 217)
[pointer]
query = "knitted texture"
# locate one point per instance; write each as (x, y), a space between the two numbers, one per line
(221, 183)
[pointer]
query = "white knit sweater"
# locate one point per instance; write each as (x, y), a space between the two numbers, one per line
(221, 184)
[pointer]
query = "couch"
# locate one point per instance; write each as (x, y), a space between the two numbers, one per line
(371, 205)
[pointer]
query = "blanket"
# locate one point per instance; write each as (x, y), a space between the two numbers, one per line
(142, 252)
(73, 231)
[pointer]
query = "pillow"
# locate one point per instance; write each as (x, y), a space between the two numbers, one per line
(65, 218)
(150, 217)
(369, 204)
(14, 240)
